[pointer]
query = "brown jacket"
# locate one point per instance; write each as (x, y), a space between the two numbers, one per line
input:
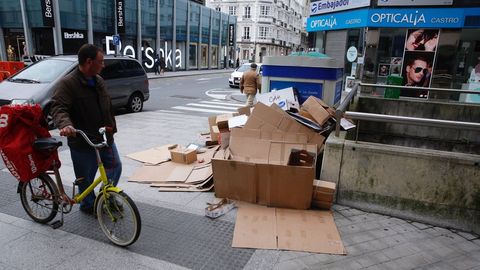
(249, 83)
(84, 107)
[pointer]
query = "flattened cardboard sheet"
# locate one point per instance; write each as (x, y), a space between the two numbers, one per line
(311, 231)
(152, 156)
(253, 228)
(188, 189)
(297, 230)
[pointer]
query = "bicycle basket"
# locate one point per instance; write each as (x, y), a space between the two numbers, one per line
(20, 125)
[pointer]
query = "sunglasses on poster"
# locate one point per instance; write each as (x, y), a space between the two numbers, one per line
(419, 69)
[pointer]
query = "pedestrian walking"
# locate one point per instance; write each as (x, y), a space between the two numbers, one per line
(238, 62)
(156, 64)
(162, 65)
(249, 84)
(82, 102)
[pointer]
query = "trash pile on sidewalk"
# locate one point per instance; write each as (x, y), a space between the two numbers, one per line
(265, 156)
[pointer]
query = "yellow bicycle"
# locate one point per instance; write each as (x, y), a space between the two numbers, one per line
(42, 198)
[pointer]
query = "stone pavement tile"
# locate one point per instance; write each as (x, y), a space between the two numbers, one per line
(5, 266)
(10, 233)
(356, 238)
(43, 229)
(395, 240)
(399, 251)
(350, 212)
(467, 246)
(31, 251)
(372, 259)
(290, 255)
(444, 253)
(465, 262)
(404, 228)
(7, 218)
(342, 264)
(263, 259)
(468, 236)
(382, 232)
(367, 247)
(416, 236)
(438, 266)
(290, 265)
(359, 218)
(413, 261)
(342, 221)
(391, 265)
(315, 260)
(421, 226)
(337, 207)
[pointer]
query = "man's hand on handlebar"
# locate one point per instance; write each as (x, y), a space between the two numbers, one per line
(68, 131)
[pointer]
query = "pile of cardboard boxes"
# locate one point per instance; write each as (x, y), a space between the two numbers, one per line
(269, 157)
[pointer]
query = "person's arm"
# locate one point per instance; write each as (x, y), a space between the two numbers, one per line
(61, 102)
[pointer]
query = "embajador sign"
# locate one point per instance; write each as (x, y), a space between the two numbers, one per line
(415, 3)
(327, 6)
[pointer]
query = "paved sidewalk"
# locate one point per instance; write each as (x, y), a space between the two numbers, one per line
(176, 235)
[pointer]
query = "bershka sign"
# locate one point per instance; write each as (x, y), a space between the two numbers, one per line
(415, 3)
(47, 13)
(74, 35)
(129, 50)
(327, 6)
(231, 34)
(119, 7)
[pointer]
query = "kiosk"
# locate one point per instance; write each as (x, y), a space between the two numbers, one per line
(309, 74)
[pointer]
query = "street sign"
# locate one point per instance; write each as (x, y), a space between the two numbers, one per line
(116, 40)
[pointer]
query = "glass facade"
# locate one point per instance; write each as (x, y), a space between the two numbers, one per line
(195, 28)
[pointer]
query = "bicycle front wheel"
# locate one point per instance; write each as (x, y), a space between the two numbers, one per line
(39, 198)
(119, 218)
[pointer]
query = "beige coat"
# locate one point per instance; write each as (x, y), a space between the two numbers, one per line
(250, 82)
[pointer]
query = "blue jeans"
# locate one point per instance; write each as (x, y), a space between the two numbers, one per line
(85, 165)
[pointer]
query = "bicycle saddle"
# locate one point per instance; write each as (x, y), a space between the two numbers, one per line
(49, 144)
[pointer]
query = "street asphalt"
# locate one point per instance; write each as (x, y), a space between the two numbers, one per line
(177, 235)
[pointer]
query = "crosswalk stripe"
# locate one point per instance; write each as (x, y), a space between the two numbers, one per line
(223, 103)
(200, 109)
(211, 106)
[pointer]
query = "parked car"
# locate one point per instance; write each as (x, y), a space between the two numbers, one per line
(234, 80)
(125, 79)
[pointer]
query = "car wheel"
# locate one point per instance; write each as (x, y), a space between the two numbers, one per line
(135, 103)
(231, 86)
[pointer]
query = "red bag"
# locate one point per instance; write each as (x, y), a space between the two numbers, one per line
(20, 125)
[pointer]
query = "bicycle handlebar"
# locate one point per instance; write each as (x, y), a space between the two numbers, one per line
(102, 132)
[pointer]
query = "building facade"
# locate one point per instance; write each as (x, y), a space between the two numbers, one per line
(266, 27)
(188, 35)
(390, 36)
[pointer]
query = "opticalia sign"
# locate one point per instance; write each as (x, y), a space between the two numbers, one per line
(129, 50)
(326, 6)
(394, 18)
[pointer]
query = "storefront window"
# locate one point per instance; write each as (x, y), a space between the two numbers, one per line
(214, 62)
(102, 16)
(194, 21)
(204, 55)
(389, 53)
(192, 61)
(11, 14)
(73, 14)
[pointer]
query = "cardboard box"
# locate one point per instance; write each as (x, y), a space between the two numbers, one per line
(273, 118)
(286, 229)
(222, 122)
(256, 171)
(184, 156)
(212, 122)
(323, 194)
(317, 109)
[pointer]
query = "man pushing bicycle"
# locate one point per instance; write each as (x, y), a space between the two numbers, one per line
(82, 102)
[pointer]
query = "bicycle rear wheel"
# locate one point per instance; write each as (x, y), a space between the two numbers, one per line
(38, 197)
(119, 218)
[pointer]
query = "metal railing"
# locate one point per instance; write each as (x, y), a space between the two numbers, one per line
(433, 89)
(341, 111)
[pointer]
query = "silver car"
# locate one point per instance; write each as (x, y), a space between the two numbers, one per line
(125, 79)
